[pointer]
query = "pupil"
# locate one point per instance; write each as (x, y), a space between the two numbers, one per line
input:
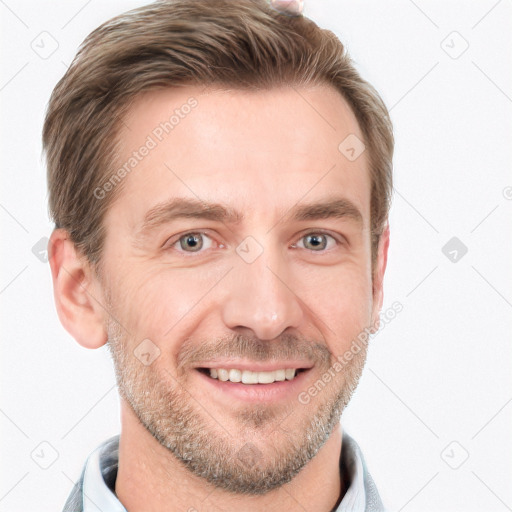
(193, 242)
(316, 241)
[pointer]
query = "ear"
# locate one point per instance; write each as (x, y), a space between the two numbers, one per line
(378, 275)
(77, 292)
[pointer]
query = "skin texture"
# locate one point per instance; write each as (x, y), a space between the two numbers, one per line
(185, 442)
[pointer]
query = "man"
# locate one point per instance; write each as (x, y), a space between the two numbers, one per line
(220, 177)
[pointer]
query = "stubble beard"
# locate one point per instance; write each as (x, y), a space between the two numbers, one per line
(270, 445)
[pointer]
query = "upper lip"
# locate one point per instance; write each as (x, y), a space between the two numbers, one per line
(253, 366)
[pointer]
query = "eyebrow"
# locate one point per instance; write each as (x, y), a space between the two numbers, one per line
(189, 208)
(330, 208)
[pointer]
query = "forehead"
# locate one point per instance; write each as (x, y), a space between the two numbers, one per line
(259, 152)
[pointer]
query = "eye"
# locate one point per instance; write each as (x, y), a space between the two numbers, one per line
(193, 242)
(317, 242)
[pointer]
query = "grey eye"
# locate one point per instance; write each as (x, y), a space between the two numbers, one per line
(191, 242)
(315, 241)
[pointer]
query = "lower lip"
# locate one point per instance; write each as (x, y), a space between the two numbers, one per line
(258, 393)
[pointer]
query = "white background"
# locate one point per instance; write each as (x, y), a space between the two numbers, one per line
(437, 386)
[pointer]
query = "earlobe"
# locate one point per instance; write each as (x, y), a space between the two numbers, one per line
(78, 294)
(378, 274)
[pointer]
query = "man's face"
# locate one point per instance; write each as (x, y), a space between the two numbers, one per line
(275, 277)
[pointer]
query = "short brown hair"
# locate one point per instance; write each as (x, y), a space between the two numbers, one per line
(243, 44)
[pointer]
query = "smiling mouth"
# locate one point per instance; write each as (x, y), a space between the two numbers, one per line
(250, 377)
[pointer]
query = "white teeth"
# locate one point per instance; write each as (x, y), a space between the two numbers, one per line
(235, 375)
(223, 374)
(266, 377)
(280, 375)
(289, 373)
(248, 377)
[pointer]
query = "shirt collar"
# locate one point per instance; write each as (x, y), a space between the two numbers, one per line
(101, 471)
(100, 468)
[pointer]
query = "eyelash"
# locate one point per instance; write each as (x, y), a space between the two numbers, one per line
(203, 233)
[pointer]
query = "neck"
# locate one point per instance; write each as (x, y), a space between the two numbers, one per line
(151, 479)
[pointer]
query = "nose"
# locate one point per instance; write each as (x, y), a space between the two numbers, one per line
(260, 297)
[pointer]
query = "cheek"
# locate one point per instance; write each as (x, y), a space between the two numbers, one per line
(341, 301)
(156, 302)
